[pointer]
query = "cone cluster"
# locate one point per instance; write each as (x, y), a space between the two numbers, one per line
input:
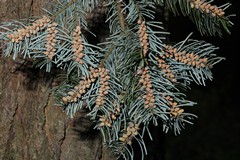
(143, 36)
(77, 46)
(175, 111)
(170, 101)
(131, 131)
(36, 26)
(147, 84)
(207, 8)
(188, 58)
(165, 67)
(104, 120)
(51, 40)
(103, 86)
(116, 112)
(81, 88)
(107, 121)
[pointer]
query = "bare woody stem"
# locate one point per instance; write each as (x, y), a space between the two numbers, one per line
(62, 9)
(122, 24)
(106, 56)
(120, 15)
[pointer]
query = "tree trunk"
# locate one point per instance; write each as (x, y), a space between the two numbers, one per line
(31, 127)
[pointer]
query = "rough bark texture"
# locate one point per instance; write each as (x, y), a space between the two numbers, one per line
(31, 127)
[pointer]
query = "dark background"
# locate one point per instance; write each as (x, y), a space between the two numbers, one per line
(215, 134)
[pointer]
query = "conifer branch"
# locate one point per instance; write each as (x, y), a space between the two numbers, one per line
(208, 18)
(106, 56)
(138, 80)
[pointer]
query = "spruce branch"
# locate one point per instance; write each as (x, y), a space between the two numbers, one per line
(209, 19)
(133, 78)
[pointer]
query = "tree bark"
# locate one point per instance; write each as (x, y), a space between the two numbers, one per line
(31, 127)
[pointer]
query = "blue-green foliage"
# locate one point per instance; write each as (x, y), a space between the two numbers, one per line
(122, 54)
